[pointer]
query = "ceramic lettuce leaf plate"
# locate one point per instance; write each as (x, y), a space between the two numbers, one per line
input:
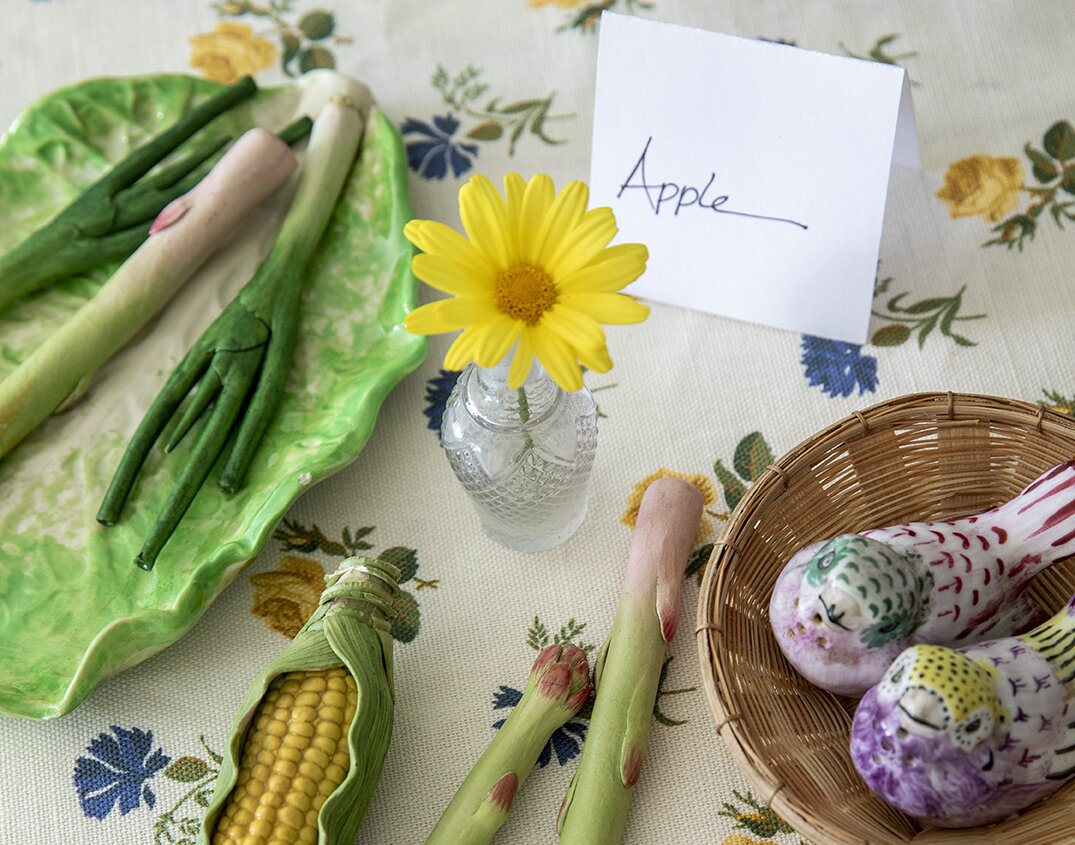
(74, 609)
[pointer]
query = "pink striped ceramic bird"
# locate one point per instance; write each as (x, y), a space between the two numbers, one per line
(843, 609)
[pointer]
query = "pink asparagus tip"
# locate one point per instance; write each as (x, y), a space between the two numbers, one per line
(562, 672)
(632, 766)
(502, 795)
(668, 613)
(171, 214)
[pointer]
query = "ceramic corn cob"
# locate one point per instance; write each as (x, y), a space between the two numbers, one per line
(971, 736)
(306, 751)
(842, 610)
(628, 670)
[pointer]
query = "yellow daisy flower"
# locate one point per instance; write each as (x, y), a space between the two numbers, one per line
(534, 272)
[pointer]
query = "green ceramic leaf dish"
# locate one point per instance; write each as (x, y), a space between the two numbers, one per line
(73, 607)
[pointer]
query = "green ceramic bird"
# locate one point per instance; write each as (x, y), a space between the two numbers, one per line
(843, 609)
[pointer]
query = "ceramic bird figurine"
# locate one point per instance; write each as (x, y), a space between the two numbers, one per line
(843, 609)
(971, 736)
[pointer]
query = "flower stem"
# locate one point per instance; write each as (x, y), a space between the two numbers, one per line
(524, 405)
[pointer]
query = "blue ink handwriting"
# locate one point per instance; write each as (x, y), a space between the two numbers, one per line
(685, 196)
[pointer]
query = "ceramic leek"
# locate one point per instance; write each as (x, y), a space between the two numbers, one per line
(184, 235)
(559, 686)
(306, 751)
(628, 669)
(111, 217)
(239, 367)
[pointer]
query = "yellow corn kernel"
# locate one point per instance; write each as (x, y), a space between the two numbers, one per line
(294, 757)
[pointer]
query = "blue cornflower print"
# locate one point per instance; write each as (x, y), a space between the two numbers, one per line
(838, 367)
(117, 771)
(565, 741)
(433, 151)
(438, 389)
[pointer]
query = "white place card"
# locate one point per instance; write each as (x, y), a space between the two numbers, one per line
(756, 173)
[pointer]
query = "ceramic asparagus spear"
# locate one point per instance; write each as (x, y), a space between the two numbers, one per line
(240, 364)
(970, 736)
(558, 687)
(628, 669)
(842, 610)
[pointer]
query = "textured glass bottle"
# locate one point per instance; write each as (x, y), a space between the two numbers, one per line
(523, 455)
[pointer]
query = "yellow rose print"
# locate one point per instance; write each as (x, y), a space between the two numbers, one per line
(286, 597)
(704, 485)
(230, 51)
(982, 186)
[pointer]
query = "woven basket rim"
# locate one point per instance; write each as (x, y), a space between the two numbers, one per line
(906, 409)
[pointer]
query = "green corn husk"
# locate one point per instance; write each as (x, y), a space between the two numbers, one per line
(350, 628)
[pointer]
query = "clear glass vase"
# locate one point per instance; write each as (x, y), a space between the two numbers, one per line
(522, 454)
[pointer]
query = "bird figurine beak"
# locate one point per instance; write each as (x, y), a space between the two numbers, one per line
(839, 610)
(922, 712)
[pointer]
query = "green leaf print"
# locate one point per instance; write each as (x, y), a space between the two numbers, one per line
(752, 456)
(1059, 141)
(537, 637)
(922, 317)
(734, 489)
(496, 120)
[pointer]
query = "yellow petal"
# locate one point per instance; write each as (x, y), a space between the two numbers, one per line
(460, 352)
(495, 339)
(613, 269)
(449, 315)
(437, 239)
(607, 307)
(537, 201)
(597, 360)
(556, 357)
(520, 364)
(578, 329)
(564, 215)
(485, 217)
(514, 191)
(450, 276)
(584, 244)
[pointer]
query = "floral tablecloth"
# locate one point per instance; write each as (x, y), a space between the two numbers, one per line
(974, 292)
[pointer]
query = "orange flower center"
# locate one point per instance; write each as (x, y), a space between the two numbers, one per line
(524, 292)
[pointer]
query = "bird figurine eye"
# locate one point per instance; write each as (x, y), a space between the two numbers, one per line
(892, 682)
(825, 561)
(975, 729)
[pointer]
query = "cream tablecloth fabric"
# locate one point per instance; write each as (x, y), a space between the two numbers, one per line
(975, 292)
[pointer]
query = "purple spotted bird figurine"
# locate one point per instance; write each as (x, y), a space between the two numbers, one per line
(968, 737)
(842, 610)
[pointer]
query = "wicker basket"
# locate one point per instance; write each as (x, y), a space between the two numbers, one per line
(917, 457)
